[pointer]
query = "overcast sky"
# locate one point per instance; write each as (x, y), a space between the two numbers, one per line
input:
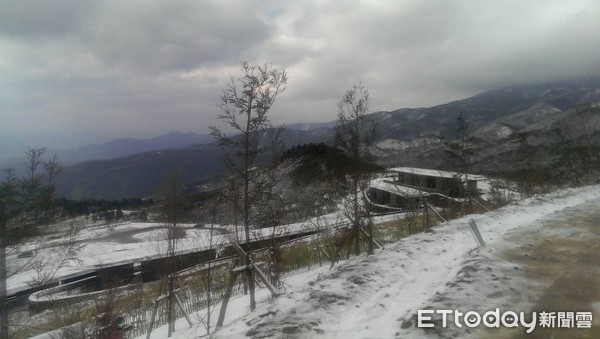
(79, 72)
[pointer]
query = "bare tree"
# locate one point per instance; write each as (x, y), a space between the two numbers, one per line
(245, 104)
(326, 236)
(209, 275)
(172, 217)
(63, 254)
(354, 135)
(25, 204)
(3, 274)
(172, 213)
(462, 128)
(214, 243)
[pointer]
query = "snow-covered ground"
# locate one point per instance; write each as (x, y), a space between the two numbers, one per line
(379, 296)
(101, 245)
(105, 244)
(109, 244)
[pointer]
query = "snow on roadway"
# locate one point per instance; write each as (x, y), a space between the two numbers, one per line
(108, 244)
(102, 246)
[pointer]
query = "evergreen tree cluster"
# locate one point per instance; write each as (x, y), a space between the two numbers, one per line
(318, 163)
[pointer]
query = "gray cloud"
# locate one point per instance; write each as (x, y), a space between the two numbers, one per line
(140, 68)
(39, 19)
(176, 35)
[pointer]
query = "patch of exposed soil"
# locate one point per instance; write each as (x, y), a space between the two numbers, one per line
(567, 265)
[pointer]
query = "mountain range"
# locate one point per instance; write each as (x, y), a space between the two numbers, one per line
(128, 146)
(499, 122)
(119, 148)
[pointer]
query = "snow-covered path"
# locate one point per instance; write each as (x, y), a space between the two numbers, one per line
(378, 296)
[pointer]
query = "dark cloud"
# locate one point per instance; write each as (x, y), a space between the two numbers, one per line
(107, 69)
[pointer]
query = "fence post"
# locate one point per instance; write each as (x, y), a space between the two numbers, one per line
(475, 232)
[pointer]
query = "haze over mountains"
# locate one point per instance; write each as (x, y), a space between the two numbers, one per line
(128, 146)
(497, 120)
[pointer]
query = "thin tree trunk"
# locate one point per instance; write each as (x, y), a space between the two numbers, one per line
(370, 248)
(208, 299)
(171, 282)
(171, 308)
(172, 220)
(591, 170)
(356, 217)
(227, 295)
(249, 273)
(3, 274)
(209, 276)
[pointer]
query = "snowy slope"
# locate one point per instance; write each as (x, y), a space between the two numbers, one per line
(378, 296)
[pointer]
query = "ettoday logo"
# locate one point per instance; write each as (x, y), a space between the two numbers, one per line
(495, 319)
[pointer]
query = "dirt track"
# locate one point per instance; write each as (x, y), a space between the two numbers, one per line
(566, 264)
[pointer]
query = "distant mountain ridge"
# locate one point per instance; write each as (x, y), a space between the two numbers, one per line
(549, 120)
(144, 173)
(128, 146)
(487, 108)
(497, 120)
(141, 174)
(307, 127)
